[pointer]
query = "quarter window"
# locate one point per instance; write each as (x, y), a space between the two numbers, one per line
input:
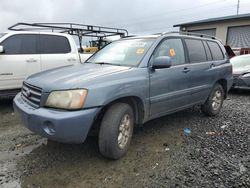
(209, 55)
(196, 50)
(172, 48)
(20, 44)
(216, 51)
(51, 44)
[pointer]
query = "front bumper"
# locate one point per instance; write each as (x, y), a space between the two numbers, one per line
(57, 125)
(240, 82)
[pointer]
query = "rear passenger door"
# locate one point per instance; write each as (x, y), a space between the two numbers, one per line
(202, 72)
(55, 51)
(169, 86)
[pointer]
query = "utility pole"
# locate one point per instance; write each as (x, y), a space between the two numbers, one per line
(238, 7)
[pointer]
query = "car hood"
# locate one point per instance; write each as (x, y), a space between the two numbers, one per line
(73, 76)
(242, 70)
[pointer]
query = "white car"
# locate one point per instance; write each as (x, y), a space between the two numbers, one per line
(24, 53)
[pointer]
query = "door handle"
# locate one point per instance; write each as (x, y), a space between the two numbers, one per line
(186, 70)
(31, 60)
(71, 59)
(212, 65)
(6, 74)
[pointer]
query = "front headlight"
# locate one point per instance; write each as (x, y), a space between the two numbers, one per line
(69, 99)
(246, 75)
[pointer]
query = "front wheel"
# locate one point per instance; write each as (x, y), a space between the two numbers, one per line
(116, 131)
(214, 102)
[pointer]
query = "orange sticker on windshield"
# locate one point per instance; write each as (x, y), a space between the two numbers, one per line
(140, 51)
(172, 52)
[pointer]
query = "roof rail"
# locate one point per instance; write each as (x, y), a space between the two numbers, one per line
(129, 36)
(71, 28)
(189, 33)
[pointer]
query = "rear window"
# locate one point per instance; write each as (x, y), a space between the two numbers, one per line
(216, 50)
(52, 44)
(196, 50)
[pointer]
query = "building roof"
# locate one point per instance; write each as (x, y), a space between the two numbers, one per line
(218, 19)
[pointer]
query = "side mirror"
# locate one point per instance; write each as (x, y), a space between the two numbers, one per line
(162, 62)
(1, 49)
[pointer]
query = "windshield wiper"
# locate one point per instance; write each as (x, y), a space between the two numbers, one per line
(105, 63)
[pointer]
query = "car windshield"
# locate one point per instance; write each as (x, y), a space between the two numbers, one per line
(127, 52)
(240, 61)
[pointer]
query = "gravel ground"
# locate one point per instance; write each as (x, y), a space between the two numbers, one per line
(215, 154)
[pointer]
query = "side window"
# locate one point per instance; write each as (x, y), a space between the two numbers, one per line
(52, 44)
(196, 51)
(172, 48)
(216, 51)
(208, 52)
(20, 44)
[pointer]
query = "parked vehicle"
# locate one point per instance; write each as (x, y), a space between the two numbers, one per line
(230, 51)
(96, 45)
(128, 82)
(90, 50)
(23, 53)
(241, 72)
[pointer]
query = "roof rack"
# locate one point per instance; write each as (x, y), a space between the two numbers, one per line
(71, 28)
(188, 33)
(79, 30)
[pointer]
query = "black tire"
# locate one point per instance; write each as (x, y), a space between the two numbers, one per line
(208, 108)
(109, 131)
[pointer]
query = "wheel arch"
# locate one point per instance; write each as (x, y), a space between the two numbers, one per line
(223, 83)
(134, 101)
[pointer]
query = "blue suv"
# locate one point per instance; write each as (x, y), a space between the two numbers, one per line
(127, 83)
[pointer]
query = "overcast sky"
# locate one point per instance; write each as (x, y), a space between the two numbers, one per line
(137, 16)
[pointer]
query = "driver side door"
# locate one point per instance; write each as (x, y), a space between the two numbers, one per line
(169, 87)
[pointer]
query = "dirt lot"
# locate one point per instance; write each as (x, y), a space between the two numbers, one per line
(215, 154)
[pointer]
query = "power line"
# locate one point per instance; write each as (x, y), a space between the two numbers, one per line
(171, 16)
(170, 26)
(166, 14)
(127, 25)
(159, 17)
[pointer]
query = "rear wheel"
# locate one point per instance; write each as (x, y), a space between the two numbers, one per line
(116, 131)
(214, 102)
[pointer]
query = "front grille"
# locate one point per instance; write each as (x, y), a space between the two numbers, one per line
(31, 94)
